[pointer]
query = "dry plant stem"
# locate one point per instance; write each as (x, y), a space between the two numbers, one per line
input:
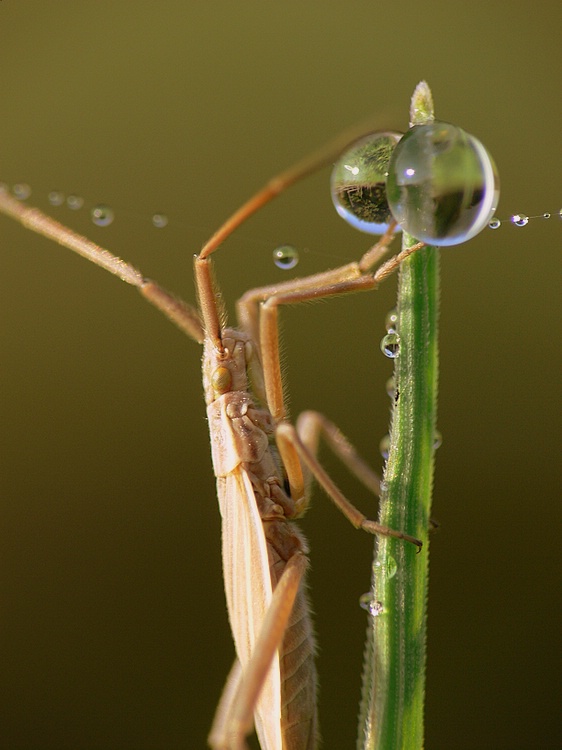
(394, 669)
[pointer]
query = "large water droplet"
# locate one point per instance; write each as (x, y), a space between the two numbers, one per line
(442, 184)
(390, 345)
(285, 257)
(102, 215)
(358, 182)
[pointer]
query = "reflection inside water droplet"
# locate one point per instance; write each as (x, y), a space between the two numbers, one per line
(390, 345)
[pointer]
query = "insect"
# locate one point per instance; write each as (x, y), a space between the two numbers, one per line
(263, 465)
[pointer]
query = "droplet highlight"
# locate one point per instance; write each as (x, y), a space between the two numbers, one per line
(285, 257)
(358, 182)
(390, 345)
(102, 215)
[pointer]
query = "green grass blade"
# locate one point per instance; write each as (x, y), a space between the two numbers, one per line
(394, 671)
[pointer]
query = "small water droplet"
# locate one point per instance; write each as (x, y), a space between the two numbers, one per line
(520, 220)
(546, 216)
(560, 214)
(391, 321)
(285, 257)
(494, 223)
(391, 387)
(102, 215)
(21, 191)
(384, 446)
(75, 202)
(370, 604)
(389, 564)
(55, 198)
(390, 345)
(160, 220)
(437, 440)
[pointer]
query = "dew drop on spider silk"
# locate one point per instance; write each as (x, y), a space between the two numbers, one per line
(102, 215)
(384, 446)
(370, 604)
(442, 186)
(285, 257)
(391, 321)
(389, 566)
(390, 345)
(160, 220)
(437, 440)
(494, 223)
(21, 191)
(56, 198)
(520, 220)
(358, 182)
(75, 202)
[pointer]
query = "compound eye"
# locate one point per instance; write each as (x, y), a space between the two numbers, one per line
(221, 380)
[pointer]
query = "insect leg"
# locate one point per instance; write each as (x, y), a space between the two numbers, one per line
(235, 716)
(287, 434)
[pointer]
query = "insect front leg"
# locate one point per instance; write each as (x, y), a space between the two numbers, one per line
(291, 447)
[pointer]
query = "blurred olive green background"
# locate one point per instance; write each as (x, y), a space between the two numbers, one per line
(113, 628)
